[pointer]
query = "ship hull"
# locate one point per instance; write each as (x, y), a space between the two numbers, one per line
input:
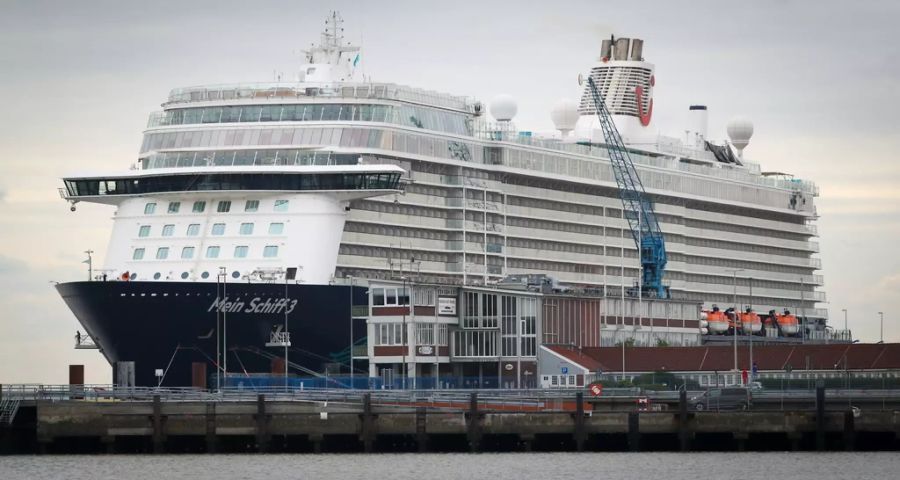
(172, 325)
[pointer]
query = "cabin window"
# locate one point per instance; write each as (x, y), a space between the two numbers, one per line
(251, 206)
(276, 228)
(168, 230)
(224, 206)
(199, 206)
(270, 251)
(240, 251)
(246, 229)
(138, 254)
(174, 207)
(218, 229)
(187, 252)
(162, 253)
(144, 231)
(150, 208)
(193, 230)
(281, 205)
(212, 252)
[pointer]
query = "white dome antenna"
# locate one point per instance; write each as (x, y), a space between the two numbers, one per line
(503, 108)
(564, 115)
(740, 129)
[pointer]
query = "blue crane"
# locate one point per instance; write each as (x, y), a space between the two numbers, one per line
(637, 208)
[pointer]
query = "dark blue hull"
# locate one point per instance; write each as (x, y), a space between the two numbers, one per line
(171, 325)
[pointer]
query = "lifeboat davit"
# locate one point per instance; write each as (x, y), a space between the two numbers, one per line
(750, 322)
(716, 321)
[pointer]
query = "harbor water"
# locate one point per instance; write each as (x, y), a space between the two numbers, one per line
(517, 466)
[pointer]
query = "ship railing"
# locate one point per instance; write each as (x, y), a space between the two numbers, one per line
(276, 91)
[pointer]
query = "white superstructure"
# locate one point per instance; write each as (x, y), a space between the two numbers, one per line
(482, 201)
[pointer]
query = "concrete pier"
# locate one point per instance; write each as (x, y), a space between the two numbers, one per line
(273, 425)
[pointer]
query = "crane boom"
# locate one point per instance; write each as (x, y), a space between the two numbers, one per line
(637, 208)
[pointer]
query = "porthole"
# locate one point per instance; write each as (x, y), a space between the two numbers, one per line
(204, 275)
(235, 274)
(184, 275)
(156, 276)
(133, 276)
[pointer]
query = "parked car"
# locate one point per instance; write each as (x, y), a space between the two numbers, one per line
(728, 398)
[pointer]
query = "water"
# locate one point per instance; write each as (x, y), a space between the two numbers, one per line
(499, 466)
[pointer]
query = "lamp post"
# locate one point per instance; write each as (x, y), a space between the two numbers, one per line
(734, 312)
(881, 314)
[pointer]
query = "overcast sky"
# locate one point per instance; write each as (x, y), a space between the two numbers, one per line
(820, 81)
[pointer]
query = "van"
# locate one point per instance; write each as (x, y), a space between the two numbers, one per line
(728, 398)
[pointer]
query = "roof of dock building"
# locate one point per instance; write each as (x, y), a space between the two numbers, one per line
(870, 356)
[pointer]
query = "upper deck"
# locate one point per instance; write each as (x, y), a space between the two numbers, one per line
(274, 92)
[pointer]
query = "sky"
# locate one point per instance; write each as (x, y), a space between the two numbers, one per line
(819, 80)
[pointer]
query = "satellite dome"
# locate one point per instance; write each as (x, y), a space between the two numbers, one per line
(740, 130)
(564, 115)
(503, 108)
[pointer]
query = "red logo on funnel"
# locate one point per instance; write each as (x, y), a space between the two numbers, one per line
(639, 96)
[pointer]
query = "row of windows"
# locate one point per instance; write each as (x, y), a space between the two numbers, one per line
(223, 206)
(212, 251)
(407, 115)
(226, 158)
(192, 230)
(293, 181)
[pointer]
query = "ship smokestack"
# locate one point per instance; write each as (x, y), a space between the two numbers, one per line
(698, 121)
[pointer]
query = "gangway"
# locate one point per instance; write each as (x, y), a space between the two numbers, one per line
(8, 410)
(84, 341)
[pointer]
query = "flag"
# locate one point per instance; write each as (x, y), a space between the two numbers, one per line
(356, 60)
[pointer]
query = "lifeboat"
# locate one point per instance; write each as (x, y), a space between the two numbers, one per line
(789, 323)
(750, 322)
(716, 321)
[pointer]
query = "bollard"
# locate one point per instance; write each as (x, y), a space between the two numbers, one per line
(262, 425)
(579, 422)
(820, 416)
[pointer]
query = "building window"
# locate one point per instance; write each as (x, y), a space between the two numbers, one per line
(281, 205)
(144, 231)
(212, 252)
(199, 206)
(187, 252)
(246, 229)
(138, 254)
(270, 251)
(150, 208)
(162, 253)
(168, 230)
(276, 228)
(390, 334)
(251, 206)
(193, 230)
(240, 251)
(174, 207)
(389, 296)
(224, 206)
(218, 229)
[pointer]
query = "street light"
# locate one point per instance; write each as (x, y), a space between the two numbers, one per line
(881, 314)
(734, 311)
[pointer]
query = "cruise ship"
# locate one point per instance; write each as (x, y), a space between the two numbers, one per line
(256, 216)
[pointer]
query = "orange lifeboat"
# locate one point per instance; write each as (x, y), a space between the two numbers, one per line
(716, 321)
(750, 322)
(789, 323)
